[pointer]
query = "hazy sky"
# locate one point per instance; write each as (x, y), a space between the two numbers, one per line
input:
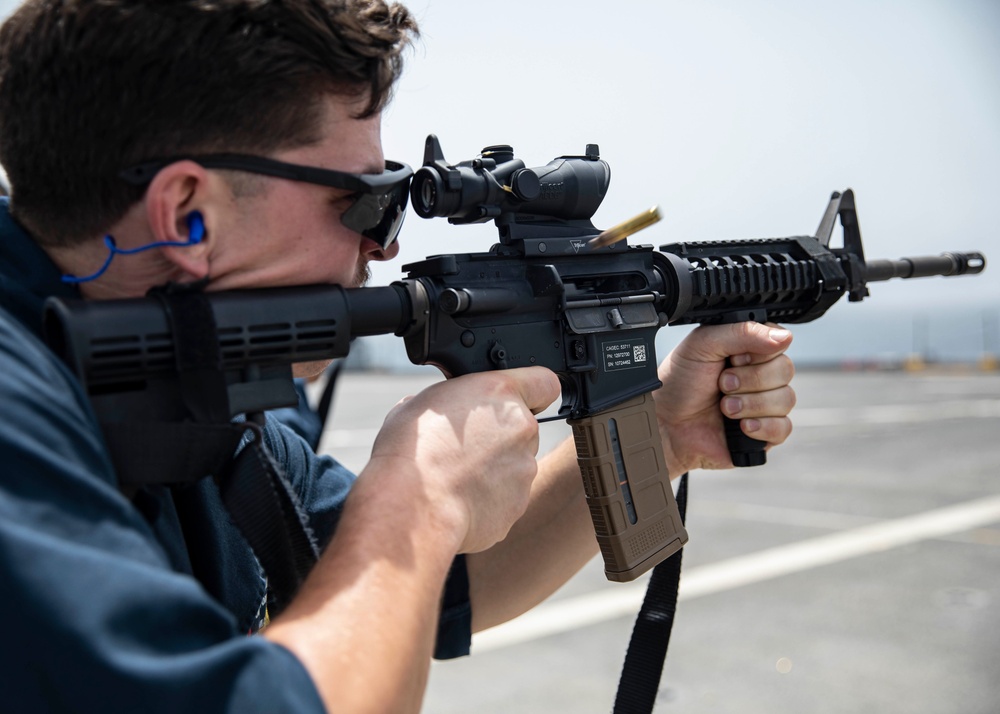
(737, 118)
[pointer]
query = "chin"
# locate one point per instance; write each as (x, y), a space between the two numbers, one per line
(310, 370)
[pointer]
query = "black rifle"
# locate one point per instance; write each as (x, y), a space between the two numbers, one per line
(542, 296)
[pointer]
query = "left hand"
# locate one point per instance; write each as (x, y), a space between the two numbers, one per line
(698, 388)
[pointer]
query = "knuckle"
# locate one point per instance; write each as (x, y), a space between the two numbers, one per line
(751, 379)
(782, 428)
(754, 405)
(527, 429)
(789, 366)
(747, 329)
(773, 430)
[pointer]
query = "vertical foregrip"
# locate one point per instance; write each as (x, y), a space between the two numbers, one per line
(743, 450)
(628, 489)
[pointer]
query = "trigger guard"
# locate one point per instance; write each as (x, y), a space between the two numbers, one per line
(570, 398)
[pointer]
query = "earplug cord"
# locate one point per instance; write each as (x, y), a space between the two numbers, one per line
(196, 232)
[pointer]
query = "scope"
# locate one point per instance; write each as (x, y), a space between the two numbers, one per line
(496, 183)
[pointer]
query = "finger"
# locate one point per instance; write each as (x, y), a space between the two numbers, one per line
(538, 387)
(741, 341)
(773, 403)
(757, 377)
(773, 430)
(778, 339)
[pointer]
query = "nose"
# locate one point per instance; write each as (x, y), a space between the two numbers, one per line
(373, 251)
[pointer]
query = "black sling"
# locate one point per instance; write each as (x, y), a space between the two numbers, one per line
(647, 650)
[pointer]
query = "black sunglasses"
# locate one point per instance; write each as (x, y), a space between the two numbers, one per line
(376, 213)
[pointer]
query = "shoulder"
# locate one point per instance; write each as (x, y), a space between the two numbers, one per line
(46, 415)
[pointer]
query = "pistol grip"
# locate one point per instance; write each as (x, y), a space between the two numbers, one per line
(628, 489)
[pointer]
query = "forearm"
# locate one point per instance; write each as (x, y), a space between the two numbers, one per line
(546, 547)
(364, 623)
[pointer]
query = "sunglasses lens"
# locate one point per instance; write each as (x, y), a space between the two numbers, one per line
(379, 215)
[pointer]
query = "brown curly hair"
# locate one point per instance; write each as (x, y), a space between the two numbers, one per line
(89, 87)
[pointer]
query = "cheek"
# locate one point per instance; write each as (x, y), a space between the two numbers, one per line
(334, 259)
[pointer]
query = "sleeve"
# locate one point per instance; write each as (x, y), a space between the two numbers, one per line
(95, 619)
(302, 418)
(322, 484)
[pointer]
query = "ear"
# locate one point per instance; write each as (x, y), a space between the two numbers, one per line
(178, 192)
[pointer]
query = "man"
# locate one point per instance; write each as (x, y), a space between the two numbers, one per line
(108, 114)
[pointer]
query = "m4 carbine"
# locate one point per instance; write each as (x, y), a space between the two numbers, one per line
(543, 295)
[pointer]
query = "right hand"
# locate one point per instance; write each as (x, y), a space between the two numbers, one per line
(468, 445)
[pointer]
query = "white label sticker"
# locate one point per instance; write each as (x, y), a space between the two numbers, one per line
(624, 354)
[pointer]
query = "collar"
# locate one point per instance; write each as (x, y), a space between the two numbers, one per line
(27, 274)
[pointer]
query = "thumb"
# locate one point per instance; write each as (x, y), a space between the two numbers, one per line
(744, 341)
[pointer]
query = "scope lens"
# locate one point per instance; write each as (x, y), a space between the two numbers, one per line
(425, 194)
(428, 196)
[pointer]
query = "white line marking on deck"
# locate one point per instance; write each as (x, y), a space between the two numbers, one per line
(622, 600)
